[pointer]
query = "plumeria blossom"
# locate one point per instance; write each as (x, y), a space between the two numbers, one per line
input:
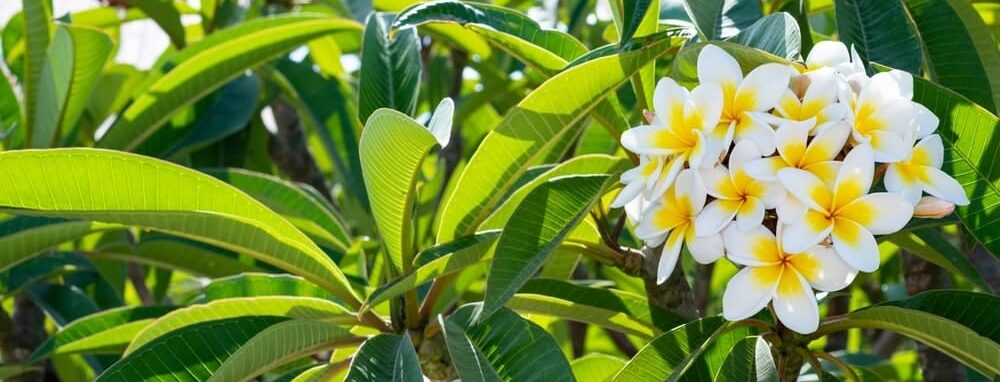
(736, 194)
(773, 274)
(921, 173)
(680, 127)
(813, 97)
(795, 150)
(844, 212)
(834, 55)
(649, 177)
(881, 116)
(745, 100)
(670, 221)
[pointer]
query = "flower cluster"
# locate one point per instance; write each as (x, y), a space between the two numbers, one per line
(774, 170)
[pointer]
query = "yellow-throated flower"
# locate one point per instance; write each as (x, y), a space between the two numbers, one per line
(649, 179)
(921, 172)
(772, 273)
(736, 194)
(670, 221)
(745, 100)
(834, 55)
(795, 150)
(845, 211)
(815, 99)
(880, 116)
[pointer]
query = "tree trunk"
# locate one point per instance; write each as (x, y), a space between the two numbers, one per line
(921, 276)
(290, 151)
(675, 294)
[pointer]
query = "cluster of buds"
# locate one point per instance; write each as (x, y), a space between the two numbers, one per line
(774, 171)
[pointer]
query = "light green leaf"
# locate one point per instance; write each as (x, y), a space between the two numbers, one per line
(627, 312)
(880, 31)
(386, 358)
(392, 148)
(292, 202)
(210, 63)
(530, 129)
(438, 261)
(180, 254)
(960, 51)
(278, 344)
(259, 284)
(777, 33)
(749, 361)
(214, 340)
(596, 367)
(37, 21)
(970, 309)
(281, 306)
(107, 331)
(535, 230)
(8, 371)
(10, 109)
(24, 237)
(932, 246)
(130, 189)
(166, 16)
(390, 70)
(118, 83)
(494, 349)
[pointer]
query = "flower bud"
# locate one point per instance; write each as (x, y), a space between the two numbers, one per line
(933, 208)
(648, 115)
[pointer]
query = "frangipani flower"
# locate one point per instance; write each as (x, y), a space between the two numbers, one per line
(881, 117)
(649, 177)
(796, 151)
(671, 218)
(772, 273)
(745, 100)
(817, 103)
(834, 55)
(737, 195)
(921, 172)
(844, 211)
(680, 126)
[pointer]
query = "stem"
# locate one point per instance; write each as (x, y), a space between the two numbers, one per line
(437, 288)
(840, 364)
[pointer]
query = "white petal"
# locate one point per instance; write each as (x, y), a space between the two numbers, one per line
(716, 216)
(890, 147)
(643, 139)
(756, 246)
(795, 303)
(749, 291)
(945, 187)
(718, 67)
(717, 181)
(927, 122)
(689, 188)
(827, 53)
(628, 193)
(930, 150)
(751, 213)
(855, 245)
(827, 143)
(440, 123)
(896, 183)
(774, 193)
(706, 249)
(823, 269)
(706, 99)
(668, 257)
(791, 210)
(797, 236)
(765, 169)
(806, 187)
(667, 176)
(790, 139)
(880, 213)
(762, 87)
(757, 130)
(668, 99)
(743, 152)
(855, 176)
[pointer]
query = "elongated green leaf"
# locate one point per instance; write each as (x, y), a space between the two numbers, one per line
(694, 352)
(37, 24)
(392, 148)
(280, 343)
(749, 361)
(280, 306)
(130, 189)
(390, 70)
(596, 367)
(259, 284)
(108, 331)
(386, 358)
(41, 268)
(210, 344)
(584, 164)
(937, 320)
(24, 237)
(530, 129)
(969, 134)
(634, 12)
(931, 245)
(8, 371)
(627, 312)
(438, 261)
(211, 63)
(503, 347)
(118, 83)
(180, 254)
(534, 231)
(776, 33)
(707, 17)
(292, 202)
(166, 16)
(880, 31)
(961, 52)
(10, 109)
(685, 65)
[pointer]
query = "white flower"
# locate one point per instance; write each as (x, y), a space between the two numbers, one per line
(772, 273)
(737, 195)
(649, 178)
(671, 219)
(816, 103)
(921, 172)
(745, 100)
(881, 116)
(834, 55)
(844, 211)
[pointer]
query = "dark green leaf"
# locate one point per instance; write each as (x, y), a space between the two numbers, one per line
(880, 31)
(108, 331)
(777, 34)
(634, 11)
(386, 358)
(749, 361)
(166, 16)
(390, 69)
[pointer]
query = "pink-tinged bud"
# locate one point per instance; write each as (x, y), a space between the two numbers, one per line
(648, 115)
(933, 208)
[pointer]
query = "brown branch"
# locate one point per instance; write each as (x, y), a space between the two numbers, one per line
(290, 152)
(921, 276)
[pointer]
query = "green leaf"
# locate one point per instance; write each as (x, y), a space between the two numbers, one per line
(130, 189)
(259, 284)
(386, 358)
(961, 52)
(390, 70)
(749, 361)
(777, 33)
(634, 12)
(280, 306)
(279, 344)
(210, 63)
(880, 31)
(37, 21)
(627, 312)
(707, 17)
(968, 132)
(438, 261)
(118, 83)
(685, 65)
(210, 343)
(292, 202)
(694, 351)
(166, 16)
(10, 109)
(497, 348)
(24, 237)
(938, 322)
(530, 129)
(8, 371)
(596, 367)
(42, 268)
(107, 331)
(392, 148)
(535, 230)
(180, 254)
(932, 246)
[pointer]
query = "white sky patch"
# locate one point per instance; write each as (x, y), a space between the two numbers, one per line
(350, 62)
(267, 117)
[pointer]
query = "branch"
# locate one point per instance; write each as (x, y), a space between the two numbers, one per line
(290, 152)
